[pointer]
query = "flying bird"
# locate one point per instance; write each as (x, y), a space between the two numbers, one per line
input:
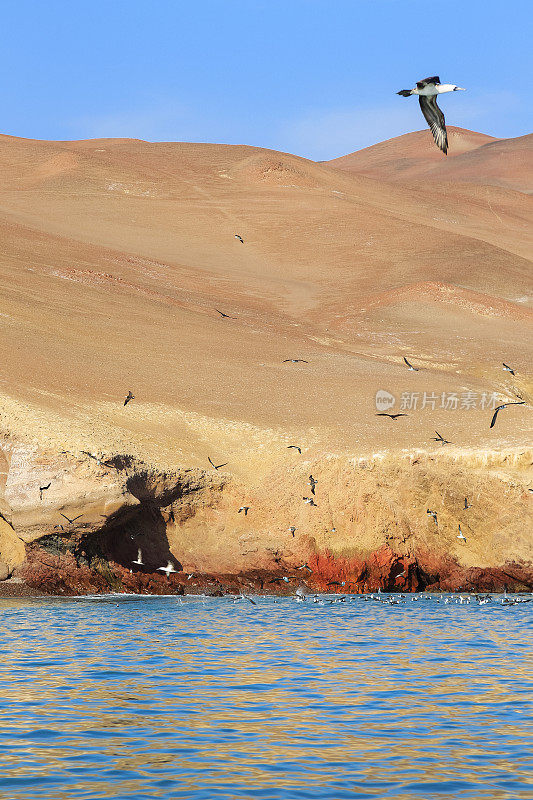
(245, 597)
(224, 315)
(245, 509)
(507, 368)
(427, 91)
(439, 438)
(294, 361)
(394, 417)
(432, 514)
(139, 559)
(239, 238)
(461, 535)
(129, 397)
(413, 369)
(292, 529)
(43, 489)
(71, 521)
(467, 504)
(312, 484)
(306, 567)
(168, 569)
(309, 501)
(216, 466)
(504, 405)
(295, 447)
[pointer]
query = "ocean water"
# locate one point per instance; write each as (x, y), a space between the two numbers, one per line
(204, 698)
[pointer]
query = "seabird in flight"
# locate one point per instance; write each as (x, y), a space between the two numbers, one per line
(507, 368)
(43, 489)
(467, 504)
(309, 501)
(129, 397)
(413, 369)
(216, 466)
(71, 520)
(245, 509)
(168, 569)
(394, 417)
(239, 238)
(294, 361)
(427, 91)
(245, 597)
(461, 535)
(432, 514)
(294, 447)
(139, 559)
(292, 530)
(312, 484)
(504, 405)
(305, 566)
(224, 315)
(439, 438)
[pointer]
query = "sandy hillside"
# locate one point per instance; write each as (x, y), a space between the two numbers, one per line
(117, 253)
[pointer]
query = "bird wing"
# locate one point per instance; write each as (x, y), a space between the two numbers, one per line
(427, 81)
(435, 119)
(494, 416)
(406, 361)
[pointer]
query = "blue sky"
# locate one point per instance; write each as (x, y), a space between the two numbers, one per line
(311, 77)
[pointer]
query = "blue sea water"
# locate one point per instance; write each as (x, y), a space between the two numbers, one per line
(204, 698)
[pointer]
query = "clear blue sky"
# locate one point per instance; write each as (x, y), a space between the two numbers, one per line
(311, 77)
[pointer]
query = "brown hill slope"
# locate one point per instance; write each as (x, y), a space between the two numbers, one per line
(117, 253)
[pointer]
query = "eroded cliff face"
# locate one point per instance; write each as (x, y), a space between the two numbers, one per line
(75, 523)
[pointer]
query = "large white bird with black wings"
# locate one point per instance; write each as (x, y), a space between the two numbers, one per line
(427, 91)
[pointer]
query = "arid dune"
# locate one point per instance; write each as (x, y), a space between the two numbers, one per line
(116, 256)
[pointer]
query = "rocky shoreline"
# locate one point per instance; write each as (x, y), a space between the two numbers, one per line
(372, 526)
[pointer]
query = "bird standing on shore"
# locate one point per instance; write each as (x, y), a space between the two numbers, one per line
(427, 91)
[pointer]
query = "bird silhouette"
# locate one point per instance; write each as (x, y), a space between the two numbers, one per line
(394, 417)
(499, 408)
(439, 438)
(507, 368)
(309, 501)
(71, 520)
(224, 315)
(467, 504)
(413, 369)
(239, 238)
(43, 489)
(312, 484)
(216, 466)
(294, 361)
(129, 397)
(294, 447)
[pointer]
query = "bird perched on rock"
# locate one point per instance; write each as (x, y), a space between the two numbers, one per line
(427, 91)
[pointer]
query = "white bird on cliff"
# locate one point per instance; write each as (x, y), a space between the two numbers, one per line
(168, 569)
(139, 559)
(427, 91)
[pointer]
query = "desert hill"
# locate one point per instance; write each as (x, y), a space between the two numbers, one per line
(117, 254)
